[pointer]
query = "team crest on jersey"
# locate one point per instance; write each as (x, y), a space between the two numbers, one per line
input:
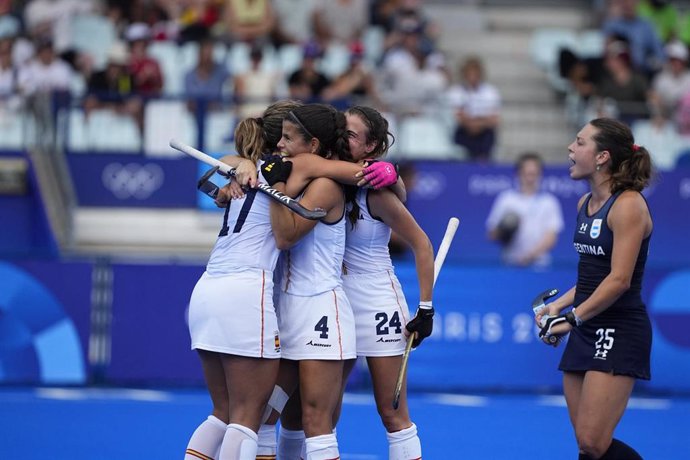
(596, 228)
(276, 341)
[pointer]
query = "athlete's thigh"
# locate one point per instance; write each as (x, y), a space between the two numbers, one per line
(572, 387)
(214, 375)
(603, 400)
(250, 381)
(320, 383)
(384, 376)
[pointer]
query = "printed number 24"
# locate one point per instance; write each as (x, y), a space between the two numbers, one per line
(383, 325)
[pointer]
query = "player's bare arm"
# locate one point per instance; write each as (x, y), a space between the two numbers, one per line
(289, 228)
(386, 206)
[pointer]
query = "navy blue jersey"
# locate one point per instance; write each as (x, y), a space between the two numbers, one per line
(594, 242)
(619, 339)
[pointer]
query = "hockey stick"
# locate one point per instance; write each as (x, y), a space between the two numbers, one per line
(226, 170)
(438, 263)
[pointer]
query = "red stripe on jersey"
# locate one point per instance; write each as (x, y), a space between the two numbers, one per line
(337, 322)
(197, 454)
(397, 299)
(263, 311)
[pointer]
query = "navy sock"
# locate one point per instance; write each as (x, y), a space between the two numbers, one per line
(617, 451)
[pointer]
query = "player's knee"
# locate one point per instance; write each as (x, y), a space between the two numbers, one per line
(394, 420)
(316, 419)
(592, 443)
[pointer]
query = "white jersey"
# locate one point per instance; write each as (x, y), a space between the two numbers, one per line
(314, 264)
(366, 248)
(246, 239)
(371, 286)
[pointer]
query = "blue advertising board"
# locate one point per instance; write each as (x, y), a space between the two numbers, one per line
(44, 322)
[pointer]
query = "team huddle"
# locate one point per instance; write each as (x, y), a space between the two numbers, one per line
(288, 303)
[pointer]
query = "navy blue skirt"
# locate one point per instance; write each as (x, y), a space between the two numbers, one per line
(617, 341)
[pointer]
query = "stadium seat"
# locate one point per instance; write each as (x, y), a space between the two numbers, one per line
(171, 63)
(93, 34)
(11, 130)
(663, 143)
(546, 43)
(426, 137)
(164, 120)
(219, 132)
(107, 130)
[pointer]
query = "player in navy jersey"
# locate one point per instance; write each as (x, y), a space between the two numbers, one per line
(609, 330)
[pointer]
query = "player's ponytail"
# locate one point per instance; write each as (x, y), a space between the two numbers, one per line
(631, 164)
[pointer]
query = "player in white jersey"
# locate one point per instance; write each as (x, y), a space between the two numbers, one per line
(381, 312)
(232, 320)
(313, 309)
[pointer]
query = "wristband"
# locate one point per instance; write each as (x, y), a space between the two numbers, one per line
(426, 304)
(573, 319)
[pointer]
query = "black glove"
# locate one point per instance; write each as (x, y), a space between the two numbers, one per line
(276, 170)
(422, 324)
(545, 332)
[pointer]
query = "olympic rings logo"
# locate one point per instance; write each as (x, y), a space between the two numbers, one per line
(132, 180)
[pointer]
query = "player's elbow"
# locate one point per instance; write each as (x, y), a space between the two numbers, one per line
(283, 242)
(620, 283)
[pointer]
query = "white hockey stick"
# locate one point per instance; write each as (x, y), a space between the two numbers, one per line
(438, 263)
(227, 170)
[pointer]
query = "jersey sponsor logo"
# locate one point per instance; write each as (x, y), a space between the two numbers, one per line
(323, 345)
(382, 340)
(595, 231)
(583, 228)
(590, 249)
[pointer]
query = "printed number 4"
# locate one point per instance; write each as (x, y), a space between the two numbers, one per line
(382, 328)
(322, 327)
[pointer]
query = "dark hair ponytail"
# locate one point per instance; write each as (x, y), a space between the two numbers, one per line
(631, 164)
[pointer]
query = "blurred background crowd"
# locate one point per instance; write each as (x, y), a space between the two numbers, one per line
(455, 82)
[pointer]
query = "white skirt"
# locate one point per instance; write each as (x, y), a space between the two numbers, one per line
(234, 314)
(381, 312)
(317, 327)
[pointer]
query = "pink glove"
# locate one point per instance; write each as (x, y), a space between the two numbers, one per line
(380, 174)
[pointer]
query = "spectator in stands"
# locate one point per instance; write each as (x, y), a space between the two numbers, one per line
(113, 87)
(622, 92)
(49, 19)
(355, 86)
(249, 21)
(205, 82)
(10, 99)
(45, 73)
(663, 15)
(198, 19)
(526, 221)
(294, 22)
(477, 105)
(257, 87)
(408, 11)
(669, 85)
(340, 21)
(306, 84)
(646, 48)
(146, 71)
(411, 78)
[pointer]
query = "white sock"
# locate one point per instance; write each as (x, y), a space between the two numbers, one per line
(404, 444)
(290, 444)
(239, 443)
(323, 447)
(267, 443)
(206, 439)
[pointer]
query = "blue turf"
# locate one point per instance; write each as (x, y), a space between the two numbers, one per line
(97, 424)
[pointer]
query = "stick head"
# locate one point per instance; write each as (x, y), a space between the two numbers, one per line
(207, 175)
(539, 301)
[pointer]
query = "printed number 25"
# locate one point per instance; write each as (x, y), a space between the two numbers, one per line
(383, 325)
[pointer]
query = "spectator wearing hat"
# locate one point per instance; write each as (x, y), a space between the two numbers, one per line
(307, 84)
(145, 70)
(669, 85)
(113, 87)
(356, 85)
